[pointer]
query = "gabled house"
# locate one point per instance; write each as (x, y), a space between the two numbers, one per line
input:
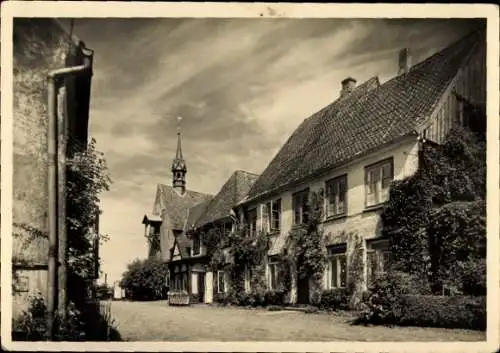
(166, 221)
(351, 150)
(189, 265)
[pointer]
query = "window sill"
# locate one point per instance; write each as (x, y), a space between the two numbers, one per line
(335, 217)
(273, 233)
(376, 207)
(298, 226)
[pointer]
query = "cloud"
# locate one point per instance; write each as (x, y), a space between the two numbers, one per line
(241, 85)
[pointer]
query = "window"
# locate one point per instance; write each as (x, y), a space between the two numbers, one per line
(252, 222)
(336, 196)
(273, 276)
(300, 205)
(378, 258)
(378, 180)
(273, 216)
(196, 245)
(220, 282)
(247, 279)
(337, 267)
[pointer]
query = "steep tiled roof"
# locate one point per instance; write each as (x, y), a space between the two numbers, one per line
(177, 205)
(370, 117)
(183, 244)
(195, 212)
(233, 191)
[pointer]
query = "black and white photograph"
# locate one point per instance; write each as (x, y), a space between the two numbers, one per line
(266, 174)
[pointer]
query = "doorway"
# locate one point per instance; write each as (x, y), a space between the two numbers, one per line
(303, 290)
(201, 287)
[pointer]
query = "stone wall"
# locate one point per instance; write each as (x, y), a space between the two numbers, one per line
(40, 45)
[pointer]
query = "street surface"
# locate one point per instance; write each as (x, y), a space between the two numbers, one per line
(156, 321)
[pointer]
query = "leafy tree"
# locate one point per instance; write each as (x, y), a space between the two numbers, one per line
(145, 279)
(87, 177)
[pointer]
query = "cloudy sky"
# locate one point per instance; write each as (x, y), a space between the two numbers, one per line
(242, 87)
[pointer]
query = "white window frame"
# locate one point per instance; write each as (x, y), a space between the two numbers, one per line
(272, 211)
(375, 191)
(337, 258)
(333, 208)
(379, 254)
(221, 275)
(300, 196)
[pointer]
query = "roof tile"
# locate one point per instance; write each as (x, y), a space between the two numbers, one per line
(371, 116)
(177, 205)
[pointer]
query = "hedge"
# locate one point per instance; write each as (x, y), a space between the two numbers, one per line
(466, 312)
(334, 299)
(444, 311)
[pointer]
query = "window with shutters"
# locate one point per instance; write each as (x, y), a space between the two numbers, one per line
(337, 266)
(378, 179)
(336, 196)
(300, 206)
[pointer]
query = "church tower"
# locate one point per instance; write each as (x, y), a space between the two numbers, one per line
(179, 168)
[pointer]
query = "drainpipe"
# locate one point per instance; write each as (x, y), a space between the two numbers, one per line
(61, 194)
(54, 78)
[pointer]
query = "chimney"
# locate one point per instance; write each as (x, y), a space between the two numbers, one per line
(348, 86)
(404, 61)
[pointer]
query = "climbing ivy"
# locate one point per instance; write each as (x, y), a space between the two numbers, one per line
(236, 252)
(304, 251)
(422, 218)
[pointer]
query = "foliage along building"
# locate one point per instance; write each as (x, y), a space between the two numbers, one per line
(174, 229)
(40, 46)
(190, 269)
(351, 150)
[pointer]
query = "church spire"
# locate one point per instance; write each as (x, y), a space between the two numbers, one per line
(179, 168)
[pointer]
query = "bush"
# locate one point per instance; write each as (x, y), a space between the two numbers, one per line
(91, 324)
(274, 298)
(32, 323)
(221, 298)
(383, 304)
(145, 279)
(473, 276)
(334, 299)
(440, 311)
(257, 298)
